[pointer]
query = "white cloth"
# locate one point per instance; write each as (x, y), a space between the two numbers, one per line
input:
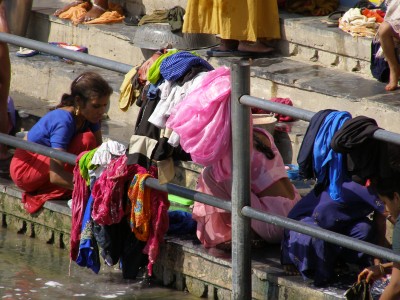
(104, 153)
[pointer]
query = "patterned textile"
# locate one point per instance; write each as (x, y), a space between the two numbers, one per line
(140, 212)
(177, 65)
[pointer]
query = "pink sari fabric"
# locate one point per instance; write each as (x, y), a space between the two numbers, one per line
(30, 172)
(214, 224)
(109, 191)
(202, 118)
(80, 196)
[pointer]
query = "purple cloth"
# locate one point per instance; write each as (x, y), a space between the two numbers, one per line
(315, 258)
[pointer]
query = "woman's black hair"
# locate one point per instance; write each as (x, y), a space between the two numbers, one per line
(387, 186)
(262, 147)
(88, 85)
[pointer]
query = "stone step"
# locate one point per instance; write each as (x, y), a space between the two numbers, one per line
(303, 37)
(310, 85)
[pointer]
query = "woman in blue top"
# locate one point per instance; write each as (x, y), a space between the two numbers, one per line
(73, 127)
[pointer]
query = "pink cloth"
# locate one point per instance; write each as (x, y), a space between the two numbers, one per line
(202, 118)
(214, 224)
(109, 192)
(80, 196)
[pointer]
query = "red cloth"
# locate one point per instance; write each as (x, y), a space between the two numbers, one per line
(30, 172)
(80, 196)
(108, 192)
(279, 117)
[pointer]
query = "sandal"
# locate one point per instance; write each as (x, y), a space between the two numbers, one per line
(333, 18)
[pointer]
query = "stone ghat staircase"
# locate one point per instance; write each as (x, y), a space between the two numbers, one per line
(318, 67)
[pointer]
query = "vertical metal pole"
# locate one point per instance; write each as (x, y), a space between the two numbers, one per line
(241, 247)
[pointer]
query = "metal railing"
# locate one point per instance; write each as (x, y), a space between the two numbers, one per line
(239, 205)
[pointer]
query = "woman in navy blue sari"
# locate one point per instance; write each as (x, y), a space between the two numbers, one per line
(315, 258)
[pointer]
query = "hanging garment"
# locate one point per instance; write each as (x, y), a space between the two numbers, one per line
(108, 192)
(233, 19)
(203, 119)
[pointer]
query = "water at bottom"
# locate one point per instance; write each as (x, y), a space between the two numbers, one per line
(31, 269)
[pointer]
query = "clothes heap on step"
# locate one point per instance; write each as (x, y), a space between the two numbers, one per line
(184, 111)
(114, 215)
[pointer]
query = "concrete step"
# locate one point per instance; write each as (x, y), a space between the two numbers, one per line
(303, 37)
(310, 85)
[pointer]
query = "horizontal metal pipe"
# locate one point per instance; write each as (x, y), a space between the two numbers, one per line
(37, 148)
(65, 53)
(221, 203)
(306, 115)
(287, 110)
(189, 194)
(323, 234)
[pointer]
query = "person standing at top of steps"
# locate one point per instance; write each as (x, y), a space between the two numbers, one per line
(5, 78)
(241, 25)
(388, 32)
(73, 127)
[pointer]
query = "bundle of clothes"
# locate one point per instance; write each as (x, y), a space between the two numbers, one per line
(114, 215)
(184, 110)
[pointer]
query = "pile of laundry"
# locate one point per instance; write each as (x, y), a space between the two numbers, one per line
(361, 21)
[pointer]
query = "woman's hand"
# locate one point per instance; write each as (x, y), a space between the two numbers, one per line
(371, 274)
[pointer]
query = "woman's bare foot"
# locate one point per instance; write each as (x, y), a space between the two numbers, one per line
(291, 270)
(393, 80)
(66, 7)
(256, 47)
(227, 45)
(98, 8)
(225, 246)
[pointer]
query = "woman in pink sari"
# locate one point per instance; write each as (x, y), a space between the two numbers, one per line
(271, 191)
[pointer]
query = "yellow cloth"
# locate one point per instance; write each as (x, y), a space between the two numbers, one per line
(126, 90)
(244, 20)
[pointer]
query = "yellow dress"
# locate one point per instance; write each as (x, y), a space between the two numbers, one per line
(245, 20)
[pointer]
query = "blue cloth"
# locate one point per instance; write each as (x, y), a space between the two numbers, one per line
(56, 129)
(181, 222)
(315, 258)
(88, 255)
(305, 156)
(177, 65)
(328, 164)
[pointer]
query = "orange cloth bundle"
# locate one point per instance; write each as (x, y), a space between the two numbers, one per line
(113, 15)
(372, 13)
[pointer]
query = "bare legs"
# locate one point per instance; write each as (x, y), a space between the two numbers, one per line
(257, 47)
(386, 36)
(97, 9)
(5, 78)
